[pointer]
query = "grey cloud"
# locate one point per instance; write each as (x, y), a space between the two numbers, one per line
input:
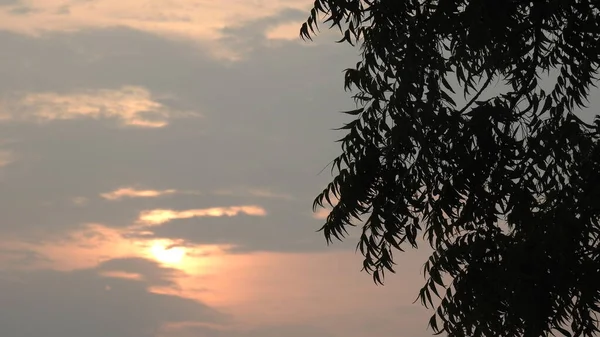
(272, 233)
(22, 10)
(261, 25)
(251, 35)
(20, 258)
(414, 318)
(83, 303)
(267, 331)
(98, 59)
(149, 270)
(9, 2)
(266, 124)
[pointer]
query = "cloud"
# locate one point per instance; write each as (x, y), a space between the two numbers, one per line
(9, 2)
(285, 31)
(80, 201)
(86, 303)
(243, 38)
(291, 294)
(126, 252)
(128, 192)
(131, 105)
(246, 137)
(264, 136)
(22, 10)
(245, 233)
(6, 157)
(253, 192)
(201, 20)
(160, 216)
(269, 194)
(141, 269)
(21, 257)
(289, 330)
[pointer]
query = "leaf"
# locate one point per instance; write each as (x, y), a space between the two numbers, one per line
(354, 112)
(547, 104)
(447, 85)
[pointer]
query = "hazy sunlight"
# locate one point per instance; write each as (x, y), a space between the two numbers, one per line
(166, 253)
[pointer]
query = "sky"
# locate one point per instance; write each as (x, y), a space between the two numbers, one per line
(158, 162)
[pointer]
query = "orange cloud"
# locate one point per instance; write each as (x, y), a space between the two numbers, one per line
(160, 216)
(196, 20)
(122, 274)
(87, 246)
(131, 105)
(128, 192)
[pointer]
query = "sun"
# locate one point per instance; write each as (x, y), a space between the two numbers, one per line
(167, 254)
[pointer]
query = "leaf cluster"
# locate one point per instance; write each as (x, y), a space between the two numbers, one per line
(506, 190)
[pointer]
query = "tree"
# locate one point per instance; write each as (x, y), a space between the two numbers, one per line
(506, 190)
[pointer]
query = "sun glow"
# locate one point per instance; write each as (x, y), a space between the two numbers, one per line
(167, 254)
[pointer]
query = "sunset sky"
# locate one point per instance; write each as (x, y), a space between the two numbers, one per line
(158, 162)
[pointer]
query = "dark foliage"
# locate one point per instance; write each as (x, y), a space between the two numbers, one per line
(506, 190)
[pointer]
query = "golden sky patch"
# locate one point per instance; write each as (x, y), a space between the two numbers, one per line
(95, 243)
(122, 274)
(167, 253)
(160, 216)
(128, 192)
(131, 105)
(256, 288)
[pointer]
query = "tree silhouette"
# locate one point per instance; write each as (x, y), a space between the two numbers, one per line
(506, 189)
